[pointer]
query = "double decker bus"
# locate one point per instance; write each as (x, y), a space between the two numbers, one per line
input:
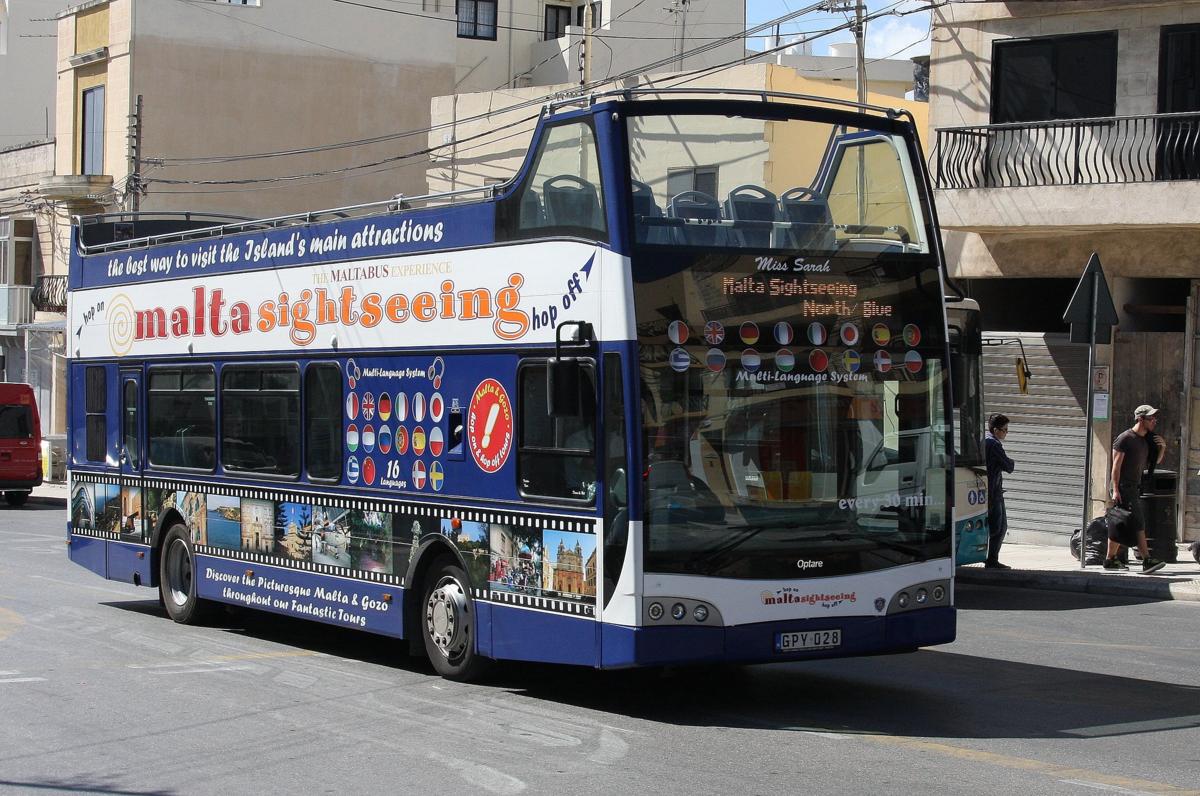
(970, 470)
(675, 393)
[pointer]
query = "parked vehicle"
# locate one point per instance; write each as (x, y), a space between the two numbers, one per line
(20, 443)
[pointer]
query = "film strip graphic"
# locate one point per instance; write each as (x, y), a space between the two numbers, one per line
(427, 511)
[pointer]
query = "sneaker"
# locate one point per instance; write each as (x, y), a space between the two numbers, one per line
(995, 565)
(1151, 565)
(1114, 565)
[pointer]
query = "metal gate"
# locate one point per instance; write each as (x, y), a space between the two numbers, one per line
(1047, 431)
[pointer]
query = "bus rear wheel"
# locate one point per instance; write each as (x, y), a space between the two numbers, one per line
(16, 498)
(448, 624)
(177, 577)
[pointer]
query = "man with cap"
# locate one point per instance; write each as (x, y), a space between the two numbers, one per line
(1131, 450)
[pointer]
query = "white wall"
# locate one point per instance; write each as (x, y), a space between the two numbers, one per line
(27, 52)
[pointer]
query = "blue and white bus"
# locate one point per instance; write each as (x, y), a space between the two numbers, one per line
(675, 393)
(970, 471)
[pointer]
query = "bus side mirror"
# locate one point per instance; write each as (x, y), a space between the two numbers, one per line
(1023, 375)
(563, 377)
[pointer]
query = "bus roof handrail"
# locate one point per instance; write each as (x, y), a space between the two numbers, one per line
(760, 94)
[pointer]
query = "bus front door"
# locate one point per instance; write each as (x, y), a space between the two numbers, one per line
(132, 458)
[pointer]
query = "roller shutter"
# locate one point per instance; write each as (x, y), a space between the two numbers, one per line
(1044, 495)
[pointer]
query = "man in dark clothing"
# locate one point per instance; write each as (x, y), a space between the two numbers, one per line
(1131, 451)
(998, 464)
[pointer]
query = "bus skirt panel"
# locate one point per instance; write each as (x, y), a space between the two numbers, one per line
(523, 634)
(90, 553)
(130, 563)
(763, 642)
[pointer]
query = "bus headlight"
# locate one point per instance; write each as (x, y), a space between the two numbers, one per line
(656, 611)
(922, 596)
(678, 612)
(700, 614)
(902, 600)
(938, 594)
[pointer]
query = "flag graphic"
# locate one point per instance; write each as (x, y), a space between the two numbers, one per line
(437, 407)
(912, 335)
(749, 333)
(401, 440)
(368, 438)
(368, 406)
(385, 406)
(418, 473)
(418, 407)
(714, 333)
(352, 406)
(851, 361)
(352, 437)
(436, 478)
(751, 361)
(385, 439)
(785, 360)
(418, 441)
(352, 470)
(368, 470)
(783, 333)
(849, 334)
(680, 360)
(883, 361)
(913, 362)
(818, 360)
(881, 334)
(437, 443)
(401, 407)
(715, 360)
(817, 334)
(678, 332)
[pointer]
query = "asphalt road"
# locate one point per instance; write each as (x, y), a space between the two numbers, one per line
(1044, 692)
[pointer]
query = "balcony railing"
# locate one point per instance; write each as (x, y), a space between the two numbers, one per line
(1116, 149)
(50, 294)
(15, 304)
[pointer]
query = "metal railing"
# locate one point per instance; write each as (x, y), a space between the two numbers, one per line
(1104, 151)
(50, 294)
(15, 304)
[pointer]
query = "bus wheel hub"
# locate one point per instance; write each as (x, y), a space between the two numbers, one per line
(446, 617)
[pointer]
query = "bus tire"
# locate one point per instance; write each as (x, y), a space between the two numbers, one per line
(177, 577)
(447, 620)
(16, 498)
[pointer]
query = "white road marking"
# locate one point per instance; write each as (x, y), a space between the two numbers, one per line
(23, 680)
(612, 748)
(1102, 786)
(481, 776)
(85, 586)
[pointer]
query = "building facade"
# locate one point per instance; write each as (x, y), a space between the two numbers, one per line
(1063, 129)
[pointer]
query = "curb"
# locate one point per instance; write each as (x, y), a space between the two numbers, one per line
(48, 500)
(1144, 586)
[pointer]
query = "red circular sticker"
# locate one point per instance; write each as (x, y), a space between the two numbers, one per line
(490, 426)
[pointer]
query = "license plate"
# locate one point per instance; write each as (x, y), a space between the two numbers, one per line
(808, 640)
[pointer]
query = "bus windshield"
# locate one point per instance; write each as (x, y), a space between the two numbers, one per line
(786, 184)
(792, 397)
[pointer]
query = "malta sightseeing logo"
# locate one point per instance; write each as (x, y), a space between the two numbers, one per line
(211, 312)
(790, 595)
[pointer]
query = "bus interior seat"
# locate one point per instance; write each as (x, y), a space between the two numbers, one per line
(650, 224)
(754, 211)
(699, 206)
(571, 201)
(808, 213)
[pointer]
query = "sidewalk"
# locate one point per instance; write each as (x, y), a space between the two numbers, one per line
(49, 494)
(1037, 566)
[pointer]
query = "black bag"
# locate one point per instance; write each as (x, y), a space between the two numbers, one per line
(1117, 521)
(1096, 543)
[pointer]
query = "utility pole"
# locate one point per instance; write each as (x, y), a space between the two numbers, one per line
(588, 22)
(860, 52)
(133, 186)
(680, 7)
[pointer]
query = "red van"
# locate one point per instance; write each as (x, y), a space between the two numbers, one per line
(20, 443)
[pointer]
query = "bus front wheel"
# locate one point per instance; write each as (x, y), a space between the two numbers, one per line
(177, 577)
(448, 624)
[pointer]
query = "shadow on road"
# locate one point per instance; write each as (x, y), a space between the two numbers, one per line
(934, 694)
(976, 597)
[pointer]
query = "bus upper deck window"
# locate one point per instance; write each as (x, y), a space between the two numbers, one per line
(562, 194)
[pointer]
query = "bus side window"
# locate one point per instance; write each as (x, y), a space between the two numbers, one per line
(562, 194)
(95, 409)
(323, 421)
(181, 410)
(556, 455)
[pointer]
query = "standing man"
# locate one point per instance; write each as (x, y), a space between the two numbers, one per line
(998, 464)
(1131, 450)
